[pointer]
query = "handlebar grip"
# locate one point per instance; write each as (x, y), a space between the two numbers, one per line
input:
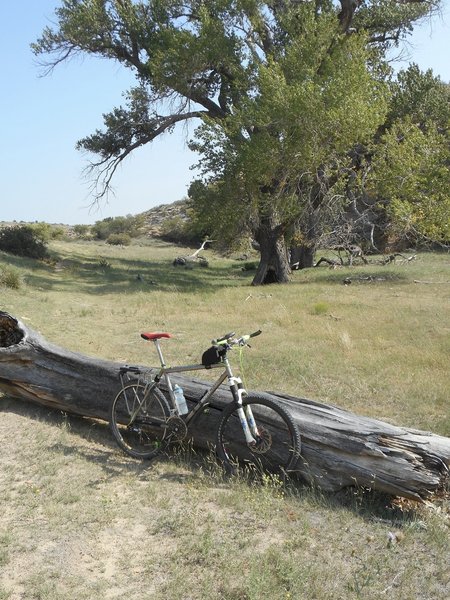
(224, 338)
(255, 333)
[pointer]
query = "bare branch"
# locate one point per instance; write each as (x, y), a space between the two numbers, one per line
(105, 169)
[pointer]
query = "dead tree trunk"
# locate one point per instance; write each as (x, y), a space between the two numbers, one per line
(339, 448)
(191, 258)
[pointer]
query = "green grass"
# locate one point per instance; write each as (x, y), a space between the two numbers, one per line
(80, 519)
(379, 346)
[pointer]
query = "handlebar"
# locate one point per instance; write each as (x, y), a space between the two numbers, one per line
(229, 339)
(224, 338)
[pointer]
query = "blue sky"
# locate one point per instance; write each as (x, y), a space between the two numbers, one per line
(42, 118)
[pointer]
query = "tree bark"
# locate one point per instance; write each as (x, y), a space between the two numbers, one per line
(339, 448)
(302, 257)
(274, 264)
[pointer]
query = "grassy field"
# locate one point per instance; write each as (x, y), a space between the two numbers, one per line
(80, 519)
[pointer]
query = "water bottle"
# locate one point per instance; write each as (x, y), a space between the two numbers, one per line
(180, 400)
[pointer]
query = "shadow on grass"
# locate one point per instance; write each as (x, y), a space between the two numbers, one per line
(193, 464)
(100, 276)
(125, 275)
(355, 276)
(102, 450)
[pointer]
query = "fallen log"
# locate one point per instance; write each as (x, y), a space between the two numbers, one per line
(339, 448)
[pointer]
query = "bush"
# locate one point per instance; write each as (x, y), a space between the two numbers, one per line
(119, 239)
(182, 230)
(9, 278)
(82, 231)
(57, 232)
(46, 232)
(22, 241)
(114, 225)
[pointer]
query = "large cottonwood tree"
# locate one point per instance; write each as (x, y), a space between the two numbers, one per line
(280, 91)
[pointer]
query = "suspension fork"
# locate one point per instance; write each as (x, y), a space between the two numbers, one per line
(246, 417)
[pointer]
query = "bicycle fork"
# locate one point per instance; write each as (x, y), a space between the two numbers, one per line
(246, 417)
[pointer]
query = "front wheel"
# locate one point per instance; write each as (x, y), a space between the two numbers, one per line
(138, 420)
(276, 444)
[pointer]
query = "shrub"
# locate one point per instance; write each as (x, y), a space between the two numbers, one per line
(182, 230)
(113, 225)
(46, 232)
(173, 229)
(22, 241)
(9, 278)
(58, 232)
(41, 230)
(82, 231)
(119, 239)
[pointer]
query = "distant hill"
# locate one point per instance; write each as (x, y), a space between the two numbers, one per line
(155, 217)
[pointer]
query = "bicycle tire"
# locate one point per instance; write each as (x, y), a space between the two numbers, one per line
(143, 437)
(278, 447)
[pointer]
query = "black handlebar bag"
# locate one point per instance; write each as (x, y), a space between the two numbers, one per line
(213, 356)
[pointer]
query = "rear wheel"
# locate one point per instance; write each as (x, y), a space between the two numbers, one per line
(138, 419)
(276, 446)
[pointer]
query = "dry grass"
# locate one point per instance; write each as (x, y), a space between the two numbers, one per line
(79, 519)
(379, 346)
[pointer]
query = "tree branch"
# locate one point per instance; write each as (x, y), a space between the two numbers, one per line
(348, 8)
(107, 167)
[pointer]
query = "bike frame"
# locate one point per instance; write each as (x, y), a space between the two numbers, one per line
(235, 383)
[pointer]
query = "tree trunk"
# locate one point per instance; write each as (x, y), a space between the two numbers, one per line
(339, 448)
(274, 264)
(302, 254)
(302, 257)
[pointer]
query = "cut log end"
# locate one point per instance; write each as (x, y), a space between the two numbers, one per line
(10, 331)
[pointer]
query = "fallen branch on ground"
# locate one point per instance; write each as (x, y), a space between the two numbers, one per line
(191, 258)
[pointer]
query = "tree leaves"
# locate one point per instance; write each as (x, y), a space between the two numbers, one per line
(284, 91)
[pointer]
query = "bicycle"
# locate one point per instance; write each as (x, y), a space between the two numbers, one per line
(253, 430)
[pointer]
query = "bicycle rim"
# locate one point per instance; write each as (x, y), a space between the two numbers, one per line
(277, 442)
(138, 420)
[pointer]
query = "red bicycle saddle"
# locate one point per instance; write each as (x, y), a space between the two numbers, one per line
(155, 336)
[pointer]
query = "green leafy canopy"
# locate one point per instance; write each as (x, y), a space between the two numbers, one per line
(281, 92)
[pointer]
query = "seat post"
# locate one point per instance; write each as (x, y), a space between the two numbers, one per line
(159, 351)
